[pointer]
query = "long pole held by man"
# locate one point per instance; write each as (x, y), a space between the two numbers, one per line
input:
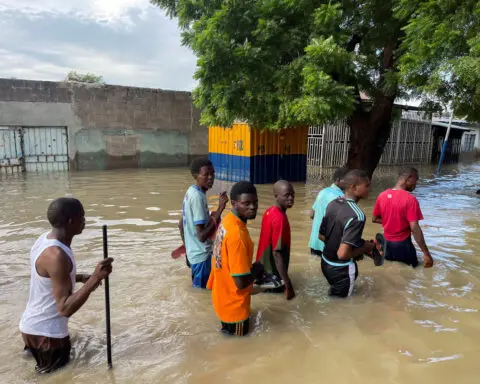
(107, 301)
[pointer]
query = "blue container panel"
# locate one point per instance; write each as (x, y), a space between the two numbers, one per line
(230, 167)
(267, 169)
(262, 169)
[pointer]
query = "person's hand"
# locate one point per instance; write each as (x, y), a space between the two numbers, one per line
(103, 269)
(258, 271)
(289, 292)
(370, 245)
(427, 260)
(222, 201)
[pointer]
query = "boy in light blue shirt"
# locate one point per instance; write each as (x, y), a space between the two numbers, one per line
(324, 197)
(197, 225)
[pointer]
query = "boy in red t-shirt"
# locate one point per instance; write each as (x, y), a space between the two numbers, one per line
(274, 243)
(399, 213)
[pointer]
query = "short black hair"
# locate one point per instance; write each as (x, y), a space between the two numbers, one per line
(61, 210)
(198, 164)
(354, 176)
(240, 188)
(339, 173)
(407, 171)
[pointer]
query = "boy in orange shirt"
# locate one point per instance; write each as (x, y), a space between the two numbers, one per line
(232, 273)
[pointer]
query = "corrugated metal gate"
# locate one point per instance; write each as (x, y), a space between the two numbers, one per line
(410, 141)
(10, 150)
(33, 149)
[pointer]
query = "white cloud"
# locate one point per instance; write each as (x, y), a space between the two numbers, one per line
(45, 39)
(104, 11)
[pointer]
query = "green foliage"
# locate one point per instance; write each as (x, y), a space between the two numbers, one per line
(440, 61)
(282, 63)
(90, 78)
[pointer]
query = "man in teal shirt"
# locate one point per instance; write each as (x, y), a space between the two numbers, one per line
(324, 197)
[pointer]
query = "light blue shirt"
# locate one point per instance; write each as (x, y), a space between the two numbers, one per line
(324, 198)
(195, 212)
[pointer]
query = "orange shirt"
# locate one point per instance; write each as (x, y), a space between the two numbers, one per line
(232, 256)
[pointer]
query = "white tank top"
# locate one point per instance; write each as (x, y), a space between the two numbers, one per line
(41, 317)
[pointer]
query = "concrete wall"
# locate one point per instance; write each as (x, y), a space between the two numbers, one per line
(109, 126)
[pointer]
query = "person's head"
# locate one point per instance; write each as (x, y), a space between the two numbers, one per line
(357, 183)
(203, 173)
(338, 176)
(284, 194)
(408, 177)
(243, 197)
(68, 214)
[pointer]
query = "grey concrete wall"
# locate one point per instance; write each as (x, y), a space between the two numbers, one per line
(109, 126)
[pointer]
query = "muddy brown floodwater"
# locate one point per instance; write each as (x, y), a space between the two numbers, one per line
(403, 326)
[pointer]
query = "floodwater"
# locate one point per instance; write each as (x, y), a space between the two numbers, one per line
(403, 326)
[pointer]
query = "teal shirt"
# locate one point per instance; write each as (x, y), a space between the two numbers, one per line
(195, 211)
(324, 198)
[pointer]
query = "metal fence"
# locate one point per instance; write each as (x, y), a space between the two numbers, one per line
(410, 142)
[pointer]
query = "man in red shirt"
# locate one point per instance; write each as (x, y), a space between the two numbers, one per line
(399, 213)
(274, 243)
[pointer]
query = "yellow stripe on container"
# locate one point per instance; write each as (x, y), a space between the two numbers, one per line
(291, 141)
(234, 141)
(241, 140)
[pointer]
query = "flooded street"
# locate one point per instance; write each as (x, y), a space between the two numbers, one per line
(403, 326)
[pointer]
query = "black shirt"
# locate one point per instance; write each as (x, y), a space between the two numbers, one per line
(343, 223)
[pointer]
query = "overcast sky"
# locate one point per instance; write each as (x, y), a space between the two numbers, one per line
(128, 42)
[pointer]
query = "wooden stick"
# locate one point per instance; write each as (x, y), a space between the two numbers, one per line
(107, 301)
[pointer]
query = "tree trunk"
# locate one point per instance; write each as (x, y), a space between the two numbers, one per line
(369, 132)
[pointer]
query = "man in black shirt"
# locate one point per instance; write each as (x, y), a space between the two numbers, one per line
(341, 230)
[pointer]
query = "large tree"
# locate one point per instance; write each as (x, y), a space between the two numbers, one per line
(284, 63)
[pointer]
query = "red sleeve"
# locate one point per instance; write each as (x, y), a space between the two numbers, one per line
(414, 213)
(377, 211)
(263, 240)
(278, 224)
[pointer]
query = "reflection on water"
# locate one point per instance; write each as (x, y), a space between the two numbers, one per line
(403, 325)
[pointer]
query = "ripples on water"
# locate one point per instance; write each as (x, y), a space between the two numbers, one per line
(403, 325)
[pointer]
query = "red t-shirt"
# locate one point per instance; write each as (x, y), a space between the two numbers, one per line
(397, 208)
(274, 236)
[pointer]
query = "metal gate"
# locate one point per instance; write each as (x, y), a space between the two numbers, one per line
(33, 149)
(10, 150)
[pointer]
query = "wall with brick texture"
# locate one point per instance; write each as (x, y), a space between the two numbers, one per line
(109, 126)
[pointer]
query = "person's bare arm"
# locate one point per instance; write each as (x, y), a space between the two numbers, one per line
(346, 251)
(243, 282)
(420, 240)
(204, 231)
(82, 277)
(57, 266)
(376, 219)
(180, 228)
(282, 270)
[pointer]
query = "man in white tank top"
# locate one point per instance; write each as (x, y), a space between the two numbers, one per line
(52, 300)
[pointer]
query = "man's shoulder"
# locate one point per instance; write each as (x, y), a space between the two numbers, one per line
(54, 258)
(194, 192)
(273, 213)
(402, 195)
(387, 193)
(350, 209)
(327, 192)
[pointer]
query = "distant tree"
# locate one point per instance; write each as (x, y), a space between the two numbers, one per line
(284, 63)
(74, 76)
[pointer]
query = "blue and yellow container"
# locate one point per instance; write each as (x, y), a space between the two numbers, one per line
(262, 157)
